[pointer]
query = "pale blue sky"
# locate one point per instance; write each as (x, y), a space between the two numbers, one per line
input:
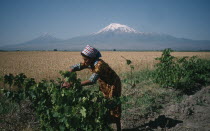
(23, 20)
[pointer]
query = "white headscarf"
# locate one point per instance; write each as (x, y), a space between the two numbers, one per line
(91, 52)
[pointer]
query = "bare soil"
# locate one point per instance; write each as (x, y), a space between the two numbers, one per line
(191, 114)
(22, 119)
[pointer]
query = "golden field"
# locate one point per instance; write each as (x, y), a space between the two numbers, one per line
(47, 64)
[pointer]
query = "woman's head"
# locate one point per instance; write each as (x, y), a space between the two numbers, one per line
(90, 54)
(87, 60)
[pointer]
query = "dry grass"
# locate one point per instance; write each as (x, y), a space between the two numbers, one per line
(40, 65)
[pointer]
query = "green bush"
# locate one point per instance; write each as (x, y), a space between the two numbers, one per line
(185, 74)
(60, 108)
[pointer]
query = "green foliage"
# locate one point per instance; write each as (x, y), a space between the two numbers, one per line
(22, 83)
(6, 106)
(8, 79)
(150, 102)
(185, 74)
(130, 81)
(60, 108)
(142, 77)
(147, 98)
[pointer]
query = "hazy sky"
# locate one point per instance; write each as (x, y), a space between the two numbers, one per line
(23, 20)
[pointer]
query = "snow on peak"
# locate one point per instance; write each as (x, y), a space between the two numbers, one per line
(115, 27)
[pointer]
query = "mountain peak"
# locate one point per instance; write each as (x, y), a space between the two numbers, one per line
(116, 27)
(47, 37)
(46, 34)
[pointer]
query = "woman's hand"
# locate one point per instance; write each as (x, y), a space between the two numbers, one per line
(71, 70)
(66, 85)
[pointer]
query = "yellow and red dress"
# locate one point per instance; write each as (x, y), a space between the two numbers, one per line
(109, 82)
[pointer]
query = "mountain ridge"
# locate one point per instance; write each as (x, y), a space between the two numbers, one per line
(113, 36)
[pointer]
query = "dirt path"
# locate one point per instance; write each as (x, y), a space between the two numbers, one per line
(192, 114)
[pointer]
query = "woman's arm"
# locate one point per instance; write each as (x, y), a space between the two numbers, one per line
(83, 83)
(77, 67)
(87, 82)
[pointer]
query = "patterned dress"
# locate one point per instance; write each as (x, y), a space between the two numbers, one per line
(109, 83)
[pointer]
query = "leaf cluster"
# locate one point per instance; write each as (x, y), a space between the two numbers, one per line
(60, 108)
(185, 73)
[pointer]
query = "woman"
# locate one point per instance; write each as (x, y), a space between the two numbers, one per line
(109, 81)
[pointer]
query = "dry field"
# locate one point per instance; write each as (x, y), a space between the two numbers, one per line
(46, 65)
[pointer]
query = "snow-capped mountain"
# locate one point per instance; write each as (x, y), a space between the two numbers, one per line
(115, 27)
(113, 36)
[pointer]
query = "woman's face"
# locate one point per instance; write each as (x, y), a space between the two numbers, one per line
(87, 61)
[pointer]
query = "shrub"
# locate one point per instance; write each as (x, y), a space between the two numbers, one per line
(185, 74)
(60, 108)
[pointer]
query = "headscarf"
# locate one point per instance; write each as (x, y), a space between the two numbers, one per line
(91, 52)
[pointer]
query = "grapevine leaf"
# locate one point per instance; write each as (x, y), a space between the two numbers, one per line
(83, 112)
